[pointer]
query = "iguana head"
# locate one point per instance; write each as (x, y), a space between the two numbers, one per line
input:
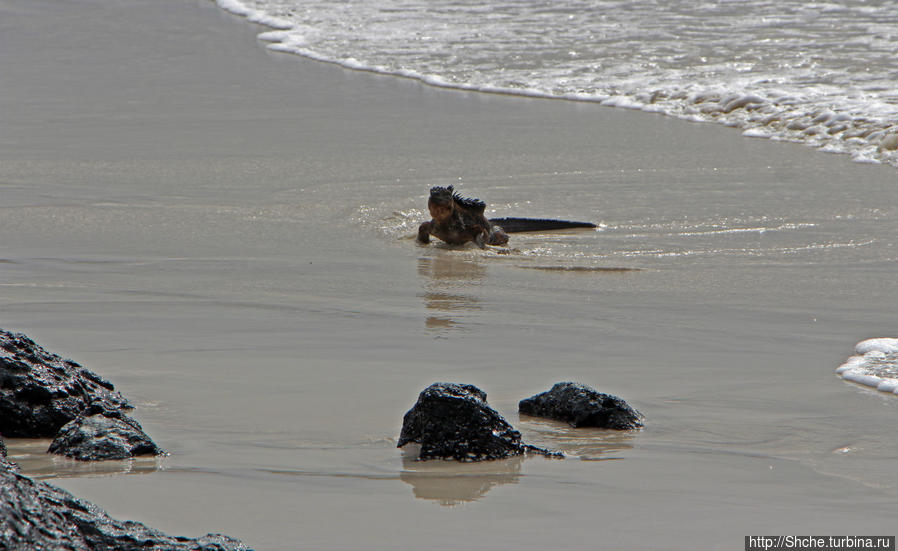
(441, 203)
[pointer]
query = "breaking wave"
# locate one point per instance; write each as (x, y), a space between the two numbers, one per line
(817, 73)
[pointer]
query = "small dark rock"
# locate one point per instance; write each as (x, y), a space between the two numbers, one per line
(2, 448)
(37, 515)
(582, 406)
(453, 421)
(103, 435)
(40, 392)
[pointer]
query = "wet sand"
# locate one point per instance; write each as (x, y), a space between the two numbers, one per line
(224, 233)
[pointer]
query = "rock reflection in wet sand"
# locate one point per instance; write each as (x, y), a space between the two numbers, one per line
(30, 454)
(452, 483)
(584, 443)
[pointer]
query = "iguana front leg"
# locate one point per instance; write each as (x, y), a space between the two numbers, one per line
(498, 236)
(424, 232)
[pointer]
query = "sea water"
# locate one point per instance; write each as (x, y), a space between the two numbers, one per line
(818, 73)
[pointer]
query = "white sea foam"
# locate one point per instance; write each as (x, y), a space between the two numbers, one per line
(788, 70)
(875, 365)
(257, 15)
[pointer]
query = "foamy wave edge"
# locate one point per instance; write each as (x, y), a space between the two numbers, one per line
(858, 368)
(256, 16)
(865, 140)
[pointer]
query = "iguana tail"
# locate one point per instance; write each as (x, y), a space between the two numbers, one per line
(516, 225)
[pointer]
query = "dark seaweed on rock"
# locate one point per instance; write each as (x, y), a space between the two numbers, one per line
(453, 421)
(40, 391)
(582, 406)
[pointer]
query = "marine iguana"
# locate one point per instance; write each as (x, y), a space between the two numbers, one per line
(457, 220)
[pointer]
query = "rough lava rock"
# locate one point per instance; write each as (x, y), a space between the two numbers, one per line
(37, 515)
(453, 421)
(98, 435)
(40, 392)
(582, 406)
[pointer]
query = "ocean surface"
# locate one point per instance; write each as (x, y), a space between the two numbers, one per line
(818, 73)
(226, 233)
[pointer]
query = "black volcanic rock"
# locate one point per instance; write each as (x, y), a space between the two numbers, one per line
(453, 421)
(37, 515)
(43, 395)
(40, 392)
(27, 521)
(103, 435)
(582, 406)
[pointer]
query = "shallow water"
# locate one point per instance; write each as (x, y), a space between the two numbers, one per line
(818, 73)
(231, 243)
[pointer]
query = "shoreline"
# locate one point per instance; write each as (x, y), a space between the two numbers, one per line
(747, 101)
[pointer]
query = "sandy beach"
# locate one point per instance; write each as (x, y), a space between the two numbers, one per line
(226, 233)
